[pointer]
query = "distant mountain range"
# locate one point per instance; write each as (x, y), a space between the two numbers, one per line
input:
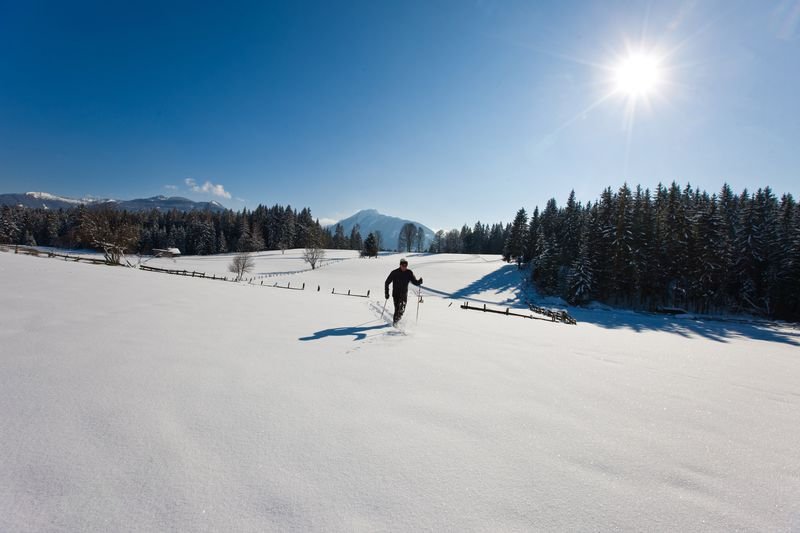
(44, 200)
(370, 220)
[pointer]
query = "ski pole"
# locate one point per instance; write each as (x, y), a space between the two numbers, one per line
(384, 307)
(419, 298)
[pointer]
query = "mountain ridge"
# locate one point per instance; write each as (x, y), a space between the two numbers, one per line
(46, 200)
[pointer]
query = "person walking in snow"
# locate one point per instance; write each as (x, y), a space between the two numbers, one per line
(400, 278)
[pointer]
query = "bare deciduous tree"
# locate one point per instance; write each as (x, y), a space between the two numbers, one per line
(110, 231)
(313, 254)
(420, 239)
(242, 264)
(407, 235)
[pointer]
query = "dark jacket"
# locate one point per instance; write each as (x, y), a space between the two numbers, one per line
(399, 281)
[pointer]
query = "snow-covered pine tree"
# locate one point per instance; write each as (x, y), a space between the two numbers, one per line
(601, 235)
(624, 270)
(532, 247)
(546, 267)
(581, 275)
(747, 257)
(571, 232)
(707, 281)
(783, 291)
(9, 231)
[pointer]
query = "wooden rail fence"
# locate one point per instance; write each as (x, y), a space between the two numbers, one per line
(192, 273)
(348, 293)
(554, 316)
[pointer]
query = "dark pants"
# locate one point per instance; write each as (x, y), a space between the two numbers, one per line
(399, 306)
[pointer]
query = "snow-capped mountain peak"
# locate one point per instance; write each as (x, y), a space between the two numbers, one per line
(370, 220)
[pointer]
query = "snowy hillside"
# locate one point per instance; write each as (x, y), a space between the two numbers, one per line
(132, 400)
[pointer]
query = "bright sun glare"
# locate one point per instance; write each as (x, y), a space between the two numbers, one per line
(637, 75)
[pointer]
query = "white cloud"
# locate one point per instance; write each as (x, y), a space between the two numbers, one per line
(208, 188)
(171, 187)
(328, 221)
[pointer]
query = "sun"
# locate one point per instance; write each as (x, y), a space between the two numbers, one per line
(637, 75)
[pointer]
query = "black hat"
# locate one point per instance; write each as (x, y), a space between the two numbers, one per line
(403, 261)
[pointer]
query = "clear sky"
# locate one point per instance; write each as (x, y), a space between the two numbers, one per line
(441, 112)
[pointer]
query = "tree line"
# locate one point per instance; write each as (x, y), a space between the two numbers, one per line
(678, 248)
(193, 232)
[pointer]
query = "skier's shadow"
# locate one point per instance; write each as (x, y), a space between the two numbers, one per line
(358, 331)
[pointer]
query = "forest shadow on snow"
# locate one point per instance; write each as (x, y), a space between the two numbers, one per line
(503, 280)
(712, 328)
(510, 279)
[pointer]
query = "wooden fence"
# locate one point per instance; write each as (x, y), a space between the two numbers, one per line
(348, 293)
(554, 316)
(188, 273)
(29, 250)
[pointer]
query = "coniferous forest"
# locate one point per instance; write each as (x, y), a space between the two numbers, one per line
(675, 248)
(193, 232)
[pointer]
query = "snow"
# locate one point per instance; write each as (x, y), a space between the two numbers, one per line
(132, 400)
(48, 196)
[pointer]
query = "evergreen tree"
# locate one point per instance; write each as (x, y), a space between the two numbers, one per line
(747, 259)
(496, 240)
(515, 243)
(339, 241)
(708, 276)
(532, 245)
(581, 276)
(571, 232)
(624, 270)
(370, 248)
(356, 243)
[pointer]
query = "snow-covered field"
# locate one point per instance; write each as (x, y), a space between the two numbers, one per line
(137, 401)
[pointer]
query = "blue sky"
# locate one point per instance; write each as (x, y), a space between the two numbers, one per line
(441, 112)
